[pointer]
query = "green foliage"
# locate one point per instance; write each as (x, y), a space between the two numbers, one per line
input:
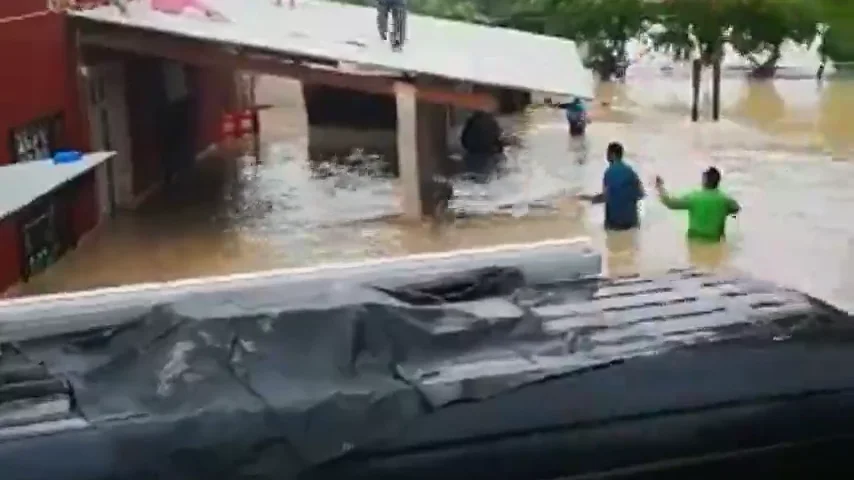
(756, 29)
(465, 10)
(837, 46)
(760, 27)
(837, 17)
(604, 26)
(692, 25)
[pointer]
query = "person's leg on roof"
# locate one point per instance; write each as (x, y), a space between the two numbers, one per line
(383, 7)
(400, 22)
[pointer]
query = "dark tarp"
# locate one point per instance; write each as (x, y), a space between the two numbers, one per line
(310, 382)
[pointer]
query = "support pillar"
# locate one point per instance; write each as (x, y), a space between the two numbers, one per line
(422, 130)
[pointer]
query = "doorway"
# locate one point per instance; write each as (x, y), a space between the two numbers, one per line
(109, 132)
(177, 120)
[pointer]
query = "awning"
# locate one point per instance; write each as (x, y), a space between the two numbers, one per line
(22, 183)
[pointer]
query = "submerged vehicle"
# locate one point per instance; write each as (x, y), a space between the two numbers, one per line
(514, 363)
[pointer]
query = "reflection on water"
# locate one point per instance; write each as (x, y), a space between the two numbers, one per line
(775, 146)
(763, 104)
(835, 126)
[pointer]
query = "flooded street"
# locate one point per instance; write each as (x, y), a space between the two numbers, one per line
(786, 150)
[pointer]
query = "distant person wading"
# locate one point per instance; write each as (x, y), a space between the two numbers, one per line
(576, 117)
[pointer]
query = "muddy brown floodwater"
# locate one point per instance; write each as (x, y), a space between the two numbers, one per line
(785, 149)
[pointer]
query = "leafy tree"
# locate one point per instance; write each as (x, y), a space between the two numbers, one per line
(837, 44)
(756, 29)
(834, 46)
(465, 10)
(692, 27)
(604, 26)
(760, 27)
(527, 15)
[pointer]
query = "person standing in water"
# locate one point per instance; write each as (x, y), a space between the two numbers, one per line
(621, 192)
(708, 207)
(482, 140)
(576, 116)
(397, 10)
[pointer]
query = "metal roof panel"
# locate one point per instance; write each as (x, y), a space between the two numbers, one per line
(347, 33)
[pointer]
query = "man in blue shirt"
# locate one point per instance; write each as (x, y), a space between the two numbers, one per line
(621, 192)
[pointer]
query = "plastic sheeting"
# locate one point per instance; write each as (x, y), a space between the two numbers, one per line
(304, 382)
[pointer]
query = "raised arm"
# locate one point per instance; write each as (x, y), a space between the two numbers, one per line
(673, 203)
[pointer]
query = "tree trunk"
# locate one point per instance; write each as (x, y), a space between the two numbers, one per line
(768, 68)
(605, 72)
(695, 89)
(716, 90)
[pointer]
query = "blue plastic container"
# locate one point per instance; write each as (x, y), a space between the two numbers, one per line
(67, 156)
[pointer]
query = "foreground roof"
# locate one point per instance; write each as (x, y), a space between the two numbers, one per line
(347, 33)
(345, 372)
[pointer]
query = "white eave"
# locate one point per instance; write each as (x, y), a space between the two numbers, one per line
(347, 33)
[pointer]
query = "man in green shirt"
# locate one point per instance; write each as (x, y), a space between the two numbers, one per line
(708, 207)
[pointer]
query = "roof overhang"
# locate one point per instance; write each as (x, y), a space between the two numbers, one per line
(198, 52)
(318, 32)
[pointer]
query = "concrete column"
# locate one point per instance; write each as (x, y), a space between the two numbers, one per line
(103, 184)
(422, 151)
(407, 151)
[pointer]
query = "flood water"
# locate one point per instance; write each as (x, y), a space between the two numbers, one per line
(786, 149)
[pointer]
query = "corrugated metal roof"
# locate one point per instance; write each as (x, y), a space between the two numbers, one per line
(347, 33)
(21, 183)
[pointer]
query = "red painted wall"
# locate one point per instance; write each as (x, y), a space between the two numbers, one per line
(10, 255)
(84, 205)
(39, 80)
